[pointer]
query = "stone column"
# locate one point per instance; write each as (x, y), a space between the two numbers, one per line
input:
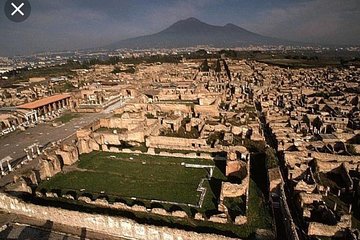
(36, 116)
(45, 112)
(9, 166)
(27, 154)
(37, 149)
(53, 106)
(2, 170)
(50, 108)
(211, 172)
(32, 152)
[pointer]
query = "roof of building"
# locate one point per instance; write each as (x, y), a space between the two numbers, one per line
(44, 101)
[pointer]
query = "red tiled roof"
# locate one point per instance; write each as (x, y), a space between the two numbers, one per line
(44, 101)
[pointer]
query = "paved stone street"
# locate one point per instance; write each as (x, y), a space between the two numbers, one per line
(13, 144)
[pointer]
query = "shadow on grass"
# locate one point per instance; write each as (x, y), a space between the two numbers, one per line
(259, 173)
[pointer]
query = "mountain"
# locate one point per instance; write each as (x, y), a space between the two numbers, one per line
(192, 32)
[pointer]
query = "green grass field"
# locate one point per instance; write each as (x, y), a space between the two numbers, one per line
(128, 175)
(162, 177)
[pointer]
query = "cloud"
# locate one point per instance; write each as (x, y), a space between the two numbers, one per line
(69, 24)
(323, 21)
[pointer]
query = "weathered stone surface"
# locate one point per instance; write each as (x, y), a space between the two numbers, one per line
(19, 186)
(101, 202)
(199, 216)
(51, 195)
(304, 187)
(69, 154)
(112, 139)
(68, 196)
(39, 194)
(83, 133)
(240, 220)
(232, 156)
(83, 146)
(84, 199)
(233, 168)
(93, 145)
(44, 169)
(160, 211)
(237, 130)
(32, 177)
(275, 178)
(104, 147)
(232, 190)
(320, 229)
(138, 208)
(220, 218)
(115, 226)
(180, 214)
(120, 205)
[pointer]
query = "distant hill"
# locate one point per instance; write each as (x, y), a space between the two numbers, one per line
(192, 32)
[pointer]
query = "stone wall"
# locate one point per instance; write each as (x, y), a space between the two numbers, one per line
(115, 226)
(175, 143)
(129, 124)
(333, 157)
(167, 108)
(329, 166)
(320, 229)
(290, 227)
(210, 110)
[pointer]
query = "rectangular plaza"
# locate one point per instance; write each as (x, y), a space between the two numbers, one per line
(140, 176)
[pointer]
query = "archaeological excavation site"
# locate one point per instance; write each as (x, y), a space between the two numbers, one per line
(207, 147)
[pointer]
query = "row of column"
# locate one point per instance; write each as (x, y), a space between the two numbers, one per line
(31, 152)
(31, 117)
(2, 168)
(52, 107)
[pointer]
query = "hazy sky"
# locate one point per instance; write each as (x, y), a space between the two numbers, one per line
(74, 24)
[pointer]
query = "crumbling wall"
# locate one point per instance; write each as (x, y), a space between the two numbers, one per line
(290, 227)
(69, 154)
(320, 229)
(129, 124)
(333, 157)
(115, 226)
(167, 108)
(174, 143)
(210, 110)
(326, 166)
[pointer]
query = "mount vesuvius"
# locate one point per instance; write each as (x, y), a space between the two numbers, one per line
(192, 32)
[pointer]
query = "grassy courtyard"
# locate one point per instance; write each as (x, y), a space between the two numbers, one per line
(126, 175)
(122, 175)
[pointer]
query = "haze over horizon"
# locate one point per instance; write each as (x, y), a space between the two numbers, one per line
(66, 24)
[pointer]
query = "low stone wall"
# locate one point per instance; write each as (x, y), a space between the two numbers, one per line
(129, 124)
(333, 157)
(175, 143)
(115, 226)
(320, 229)
(120, 206)
(290, 227)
